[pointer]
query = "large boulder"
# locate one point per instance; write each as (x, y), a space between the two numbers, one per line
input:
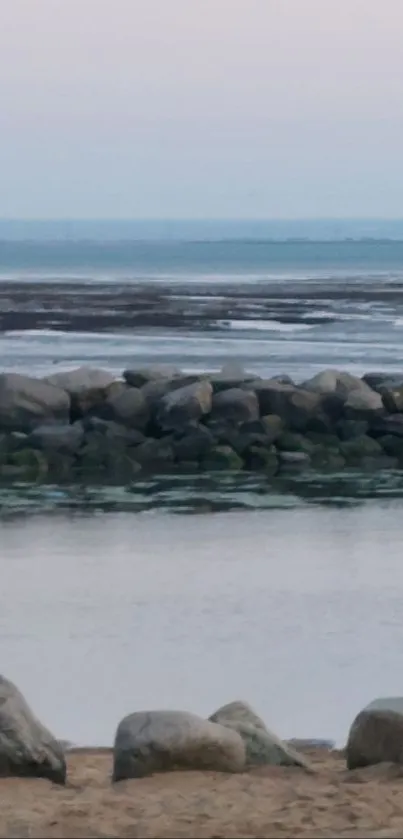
(261, 745)
(298, 408)
(26, 403)
(235, 405)
(376, 735)
(180, 407)
(126, 407)
(162, 741)
(27, 748)
(81, 379)
(192, 444)
(57, 438)
(392, 398)
(335, 381)
(139, 376)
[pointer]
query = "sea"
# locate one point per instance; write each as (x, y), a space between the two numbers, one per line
(188, 592)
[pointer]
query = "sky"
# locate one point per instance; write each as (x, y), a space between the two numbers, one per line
(201, 108)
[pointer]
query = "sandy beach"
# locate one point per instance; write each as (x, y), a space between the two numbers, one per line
(267, 802)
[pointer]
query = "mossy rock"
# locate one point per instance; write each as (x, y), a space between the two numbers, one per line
(263, 458)
(392, 445)
(357, 450)
(31, 463)
(328, 459)
(330, 442)
(222, 458)
(292, 442)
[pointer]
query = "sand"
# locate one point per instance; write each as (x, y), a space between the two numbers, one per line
(268, 802)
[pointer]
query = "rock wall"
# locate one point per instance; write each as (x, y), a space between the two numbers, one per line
(85, 424)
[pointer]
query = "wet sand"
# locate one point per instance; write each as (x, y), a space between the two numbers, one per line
(268, 802)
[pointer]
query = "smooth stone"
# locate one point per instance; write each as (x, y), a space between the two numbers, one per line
(26, 403)
(348, 429)
(193, 444)
(293, 442)
(27, 748)
(154, 454)
(392, 398)
(296, 407)
(187, 404)
(336, 382)
(358, 448)
(161, 741)
(63, 438)
(236, 405)
(360, 403)
(376, 736)
(262, 746)
(128, 407)
(222, 458)
(81, 379)
(139, 376)
(387, 425)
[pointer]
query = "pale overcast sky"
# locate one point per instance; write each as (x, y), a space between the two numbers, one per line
(201, 108)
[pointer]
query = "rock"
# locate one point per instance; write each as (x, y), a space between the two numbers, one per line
(335, 381)
(376, 736)
(156, 389)
(193, 444)
(27, 748)
(187, 404)
(154, 454)
(348, 429)
(261, 745)
(272, 426)
(222, 458)
(379, 380)
(261, 458)
(115, 432)
(386, 703)
(298, 460)
(297, 408)
(392, 398)
(30, 464)
(63, 438)
(392, 445)
(361, 403)
(387, 425)
(139, 376)
(230, 376)
(81, 380)
(162, 741)
(292, 442)
(26, 403)
(359, 448)
(129, 407)
(235, 405)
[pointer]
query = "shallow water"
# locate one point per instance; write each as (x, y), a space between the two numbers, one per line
(298, 610)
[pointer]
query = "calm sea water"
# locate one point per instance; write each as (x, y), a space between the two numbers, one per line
(298, 611)
(191, 593)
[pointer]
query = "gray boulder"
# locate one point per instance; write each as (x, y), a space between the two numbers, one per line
(296, 407)
(139, 376)
(81, 379)
(162, 741)
(127, 407)
(235, 405)
(360, 404)
(26, 747)
(261, 745)
(57, 438)
(26, 403)
(376, 735)
(335, 381)
(187, 404)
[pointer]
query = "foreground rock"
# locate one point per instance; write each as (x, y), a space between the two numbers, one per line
(162, 741)
(26, 747)
(376, 735)
(261, 745)
(26, 403)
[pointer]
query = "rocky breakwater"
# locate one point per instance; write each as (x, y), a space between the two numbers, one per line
(85, 424)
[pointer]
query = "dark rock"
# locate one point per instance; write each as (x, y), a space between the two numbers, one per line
(379, 380)
(26, 403)
(154, 454)
(295, 406)
(31, 464)
(190, 403)
(261, 457)
(59, 438)
(327, 458)
(139, 376)
(222, 458)
(359, 448)
(379, 426)
(376, 736)
(235, 405)
(156, 389)
(193, 444)
(392, 445)
(292, 442)
(162, 741)
(348, 429)
(392, 398)
(27, 748)
(129, 407)
(116, 432)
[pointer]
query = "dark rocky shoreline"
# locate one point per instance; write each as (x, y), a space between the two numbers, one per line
(85, 424)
